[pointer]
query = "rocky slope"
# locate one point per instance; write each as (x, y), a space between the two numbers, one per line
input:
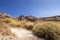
(9, 30)
(9, 27)
(34, 19)
(53, 18)
(28, 18)
(4, 15)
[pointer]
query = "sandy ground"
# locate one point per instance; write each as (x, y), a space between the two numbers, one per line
(24, 34)
(20, 34)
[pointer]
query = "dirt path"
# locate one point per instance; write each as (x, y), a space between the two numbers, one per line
(23, 34)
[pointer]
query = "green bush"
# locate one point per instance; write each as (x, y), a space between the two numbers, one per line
(47, 30)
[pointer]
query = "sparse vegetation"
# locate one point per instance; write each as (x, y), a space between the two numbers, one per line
(28, 25)
(47, 30)
(13, 22)
(5, 29)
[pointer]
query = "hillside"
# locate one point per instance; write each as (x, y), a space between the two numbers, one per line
(35, 19)
(13, 29)
(53, 18)
(29, 28)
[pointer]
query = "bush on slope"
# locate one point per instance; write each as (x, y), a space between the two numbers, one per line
(47, 30)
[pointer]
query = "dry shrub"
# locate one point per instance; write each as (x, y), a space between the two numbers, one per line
(6, 32)
(22, 23)
(5, 29)
(13, 22)
(29, 25)
(47, 30)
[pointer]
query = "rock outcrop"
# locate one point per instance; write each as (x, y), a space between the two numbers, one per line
(4, 15)
(34, 19)
(28, 18)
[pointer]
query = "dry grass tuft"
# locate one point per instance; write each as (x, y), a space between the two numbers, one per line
(47, 30)
(5, 29)
(26, 24)
(13, 22)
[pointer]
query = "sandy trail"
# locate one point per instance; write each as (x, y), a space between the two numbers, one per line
(24, 34)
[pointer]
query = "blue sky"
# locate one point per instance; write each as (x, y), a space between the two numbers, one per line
(38, 8)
